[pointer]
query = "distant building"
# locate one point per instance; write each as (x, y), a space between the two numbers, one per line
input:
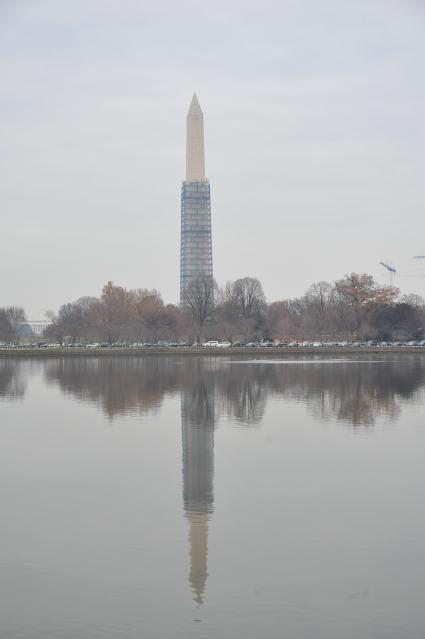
(196, 244)
(38, 327)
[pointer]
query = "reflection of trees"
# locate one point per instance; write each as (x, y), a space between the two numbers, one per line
(13, 378)
(355, 392)
(118, 385)
(243, 391)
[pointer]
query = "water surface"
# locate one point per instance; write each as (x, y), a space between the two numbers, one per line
(166, 497)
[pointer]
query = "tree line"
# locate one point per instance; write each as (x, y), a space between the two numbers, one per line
(354, 307)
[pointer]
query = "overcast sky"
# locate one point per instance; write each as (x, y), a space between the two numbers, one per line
(314, 132)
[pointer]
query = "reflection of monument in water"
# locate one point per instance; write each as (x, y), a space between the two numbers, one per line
(197, 412)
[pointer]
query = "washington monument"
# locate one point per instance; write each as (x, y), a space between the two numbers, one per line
(195, 244)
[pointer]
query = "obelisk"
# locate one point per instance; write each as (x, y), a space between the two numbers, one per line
(196, 242)
(195, 152)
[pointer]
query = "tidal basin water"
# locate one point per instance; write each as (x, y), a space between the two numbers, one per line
(179, 497)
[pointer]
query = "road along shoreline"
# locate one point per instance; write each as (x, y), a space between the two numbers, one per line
(209, 352)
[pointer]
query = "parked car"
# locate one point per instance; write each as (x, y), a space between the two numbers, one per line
(211, 343)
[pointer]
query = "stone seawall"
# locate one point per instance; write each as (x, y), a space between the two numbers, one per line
(209, 352)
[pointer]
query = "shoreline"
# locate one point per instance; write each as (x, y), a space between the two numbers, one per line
(205, 351)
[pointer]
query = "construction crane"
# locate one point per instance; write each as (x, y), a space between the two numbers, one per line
(391, 270)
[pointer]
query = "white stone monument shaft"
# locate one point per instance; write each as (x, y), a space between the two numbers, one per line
(195, 154)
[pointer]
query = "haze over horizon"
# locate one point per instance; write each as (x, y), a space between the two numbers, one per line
(314, 139)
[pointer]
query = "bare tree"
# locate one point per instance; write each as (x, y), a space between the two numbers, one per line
(200, 302)
(280, 320)
(74, 320)
(319, 302)
(12, 318)
(227, 313)
(358, 293)
(249, 297)
(112, 313)
(147, 309)
(171, 322)
(320, 296)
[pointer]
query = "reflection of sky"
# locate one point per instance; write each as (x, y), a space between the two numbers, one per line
(315, 105)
